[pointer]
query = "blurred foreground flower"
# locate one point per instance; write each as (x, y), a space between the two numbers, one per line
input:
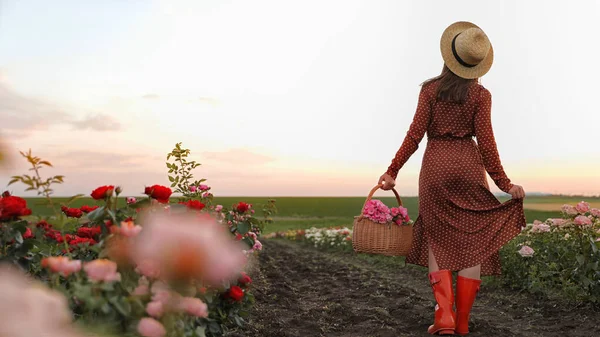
(183, 246)
(30, 309)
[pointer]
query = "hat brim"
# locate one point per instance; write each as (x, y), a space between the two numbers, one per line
(452, 63)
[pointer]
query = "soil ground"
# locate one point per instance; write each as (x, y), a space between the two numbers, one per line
(301, 291)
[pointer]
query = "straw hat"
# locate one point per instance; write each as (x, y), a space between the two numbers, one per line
(466, 50)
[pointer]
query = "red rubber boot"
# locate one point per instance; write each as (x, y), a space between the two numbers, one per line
(445, 317)
(466, 291)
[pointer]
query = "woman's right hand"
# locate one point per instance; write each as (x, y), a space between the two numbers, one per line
(387, 181)
(517, 192)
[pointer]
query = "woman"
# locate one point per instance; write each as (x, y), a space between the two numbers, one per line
(461, 225)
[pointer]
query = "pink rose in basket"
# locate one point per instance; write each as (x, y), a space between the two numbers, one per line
(377, 211)
(400, 215)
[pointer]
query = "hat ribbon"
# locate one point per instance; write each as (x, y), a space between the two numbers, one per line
(461, 61)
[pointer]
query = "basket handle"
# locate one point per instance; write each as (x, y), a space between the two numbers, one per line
(375, 190)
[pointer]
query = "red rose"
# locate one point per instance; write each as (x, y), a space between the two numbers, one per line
(193, 204)
(102, 192)
(235, 293)
(28, 234)
(54, 235)
(12, 207)
(87, 209)
(159, 192)
(89, 232)
(238, 236)
(72, 212)
(78, 240)
(44, 225)
(242, 207)
(244, 280)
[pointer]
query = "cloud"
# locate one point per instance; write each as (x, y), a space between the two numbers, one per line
(21, 115)
(19, 112)
(209, 100)
(95, 160)
(98, 122)
(151, 96)
(240, 157)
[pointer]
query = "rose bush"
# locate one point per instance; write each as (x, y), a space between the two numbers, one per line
(559, 255)
(152, 268)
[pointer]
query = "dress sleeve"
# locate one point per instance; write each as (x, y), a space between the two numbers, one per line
(487, 144)
(414, 135)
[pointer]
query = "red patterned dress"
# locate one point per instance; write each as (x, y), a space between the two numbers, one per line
(458, 215)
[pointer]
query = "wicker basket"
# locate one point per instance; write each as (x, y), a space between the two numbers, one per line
(375, 238)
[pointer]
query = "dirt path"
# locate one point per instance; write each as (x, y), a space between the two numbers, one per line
(305, 292)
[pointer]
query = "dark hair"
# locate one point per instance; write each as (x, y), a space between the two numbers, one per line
(452, 88)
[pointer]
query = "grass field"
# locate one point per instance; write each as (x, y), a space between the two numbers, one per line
(306, 212)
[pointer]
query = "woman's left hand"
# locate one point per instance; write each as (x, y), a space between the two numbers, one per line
(387, 181)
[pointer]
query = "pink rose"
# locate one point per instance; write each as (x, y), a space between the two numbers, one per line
(559, 222)
(218, 208)
(257, 245)
(102, 270)
(526, 251)
(540, 227)
(193, 306)
(148, 268)
(141, 290)
(569, 210)
(595, 212)
(129, 229)
(204, 187)
(582, 207)
(207, 195)
(193, 189)
(131, 200)
(155, 309)
(149, 327)
(61, 264)
(582, 220)
(163, 296)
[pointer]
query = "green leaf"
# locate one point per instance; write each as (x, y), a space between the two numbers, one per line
(75, 197)
(249, 242)
(243, 227)
(108, 286)
(200, 331)
(171, 179)
(581, 259)
(121, 305)
(105, 308)
(173, 184)
(97, 214)
(19, 238)
(594, 245)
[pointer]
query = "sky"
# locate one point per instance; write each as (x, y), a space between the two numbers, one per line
(285, 98)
